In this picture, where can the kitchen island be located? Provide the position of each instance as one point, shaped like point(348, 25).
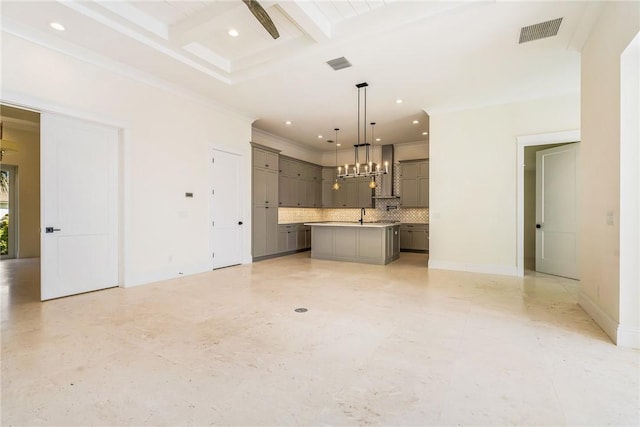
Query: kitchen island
point(368, 243)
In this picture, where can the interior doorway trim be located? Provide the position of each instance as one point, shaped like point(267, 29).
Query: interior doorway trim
point(522, 142)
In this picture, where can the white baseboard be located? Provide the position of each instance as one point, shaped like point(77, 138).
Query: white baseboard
point(165, 274)
point(502, 270)
point(628, 337)
point(606, 322)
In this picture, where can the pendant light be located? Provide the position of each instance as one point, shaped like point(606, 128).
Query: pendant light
point(372, 184)
point(336, 184)
point(368, 170)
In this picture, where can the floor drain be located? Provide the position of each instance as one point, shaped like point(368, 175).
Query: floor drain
point(300, 310)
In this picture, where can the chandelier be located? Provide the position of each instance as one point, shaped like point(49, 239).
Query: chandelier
point(368, 168)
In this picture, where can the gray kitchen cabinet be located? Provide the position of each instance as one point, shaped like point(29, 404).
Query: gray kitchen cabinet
point(328, 178)
point(351, 188)
point(369, 244)
point(265, 231)
point(414, 184)
point(286, 167)
point(300, 184)
point(317, 194)
point(287, 237)
point(285, 194)
point(265, 185)
point(354, 193)
point(365, 194)
point(414, 237)
point(340, 196)
point(264, 158)
point(293, 237)
point(393, 242)
point(327, 194)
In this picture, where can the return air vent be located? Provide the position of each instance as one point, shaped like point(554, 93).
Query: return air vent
point(540, 31)
point(339, 63)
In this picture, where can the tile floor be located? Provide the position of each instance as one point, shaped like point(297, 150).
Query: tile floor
point(382, 345)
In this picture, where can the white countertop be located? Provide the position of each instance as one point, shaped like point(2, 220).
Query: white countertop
point(353, 224)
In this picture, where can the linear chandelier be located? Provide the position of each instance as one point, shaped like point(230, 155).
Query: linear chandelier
point(368, 169)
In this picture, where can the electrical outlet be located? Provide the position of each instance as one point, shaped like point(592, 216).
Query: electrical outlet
point(610, 218)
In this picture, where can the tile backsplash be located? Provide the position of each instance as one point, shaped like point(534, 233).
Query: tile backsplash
point(293, 215)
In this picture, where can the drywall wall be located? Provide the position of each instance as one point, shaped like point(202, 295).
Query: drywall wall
point(600, 292)
point(629, 329)
point(286, 146)
point(165, 153)
point(27, 159)
point(472, 191)
point(411, 151)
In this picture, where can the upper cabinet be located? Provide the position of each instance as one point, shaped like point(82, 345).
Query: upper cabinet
point(353, 192)
point(265, 159)
point(300, 184)
point(414, 183)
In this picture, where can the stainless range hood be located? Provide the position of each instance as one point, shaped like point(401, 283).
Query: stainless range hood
point(386, 188)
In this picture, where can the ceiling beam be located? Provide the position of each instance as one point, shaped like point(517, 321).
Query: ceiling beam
point(308, 17)
point(137, 17)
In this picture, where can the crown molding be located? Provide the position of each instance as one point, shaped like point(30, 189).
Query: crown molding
point(85, 55)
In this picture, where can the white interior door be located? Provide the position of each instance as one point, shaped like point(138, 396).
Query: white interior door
point(557, 211)
point(226, 209)
point(79, 206)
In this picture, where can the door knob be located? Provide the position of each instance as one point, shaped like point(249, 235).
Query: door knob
point(538, 226)
point(51, 229)
point(239, 222)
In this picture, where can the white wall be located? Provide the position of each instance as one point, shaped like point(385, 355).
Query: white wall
point(166, 152)
point(473, 180)
point(410, 151)
point(286, 146)
point(600, 164)
point(629, 329)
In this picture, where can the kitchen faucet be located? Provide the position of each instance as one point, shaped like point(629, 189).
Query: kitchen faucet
point(363, 212)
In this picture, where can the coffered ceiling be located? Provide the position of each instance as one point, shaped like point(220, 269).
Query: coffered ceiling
point(433, 55)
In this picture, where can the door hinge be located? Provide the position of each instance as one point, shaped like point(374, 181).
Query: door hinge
point(213, 255)
point(213, 192)
point(213, 160)
point(213, 223)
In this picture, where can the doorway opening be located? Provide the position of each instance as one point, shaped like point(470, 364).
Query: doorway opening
point(530, 144)
point(8, 211)
point(533, 207)
point(20, 203)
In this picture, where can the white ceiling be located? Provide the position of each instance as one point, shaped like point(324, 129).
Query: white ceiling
point(435, 55)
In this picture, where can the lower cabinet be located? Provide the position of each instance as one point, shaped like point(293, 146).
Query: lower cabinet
point(265, 231)
point(363, 244)
point(293, 237)
point(414, 237)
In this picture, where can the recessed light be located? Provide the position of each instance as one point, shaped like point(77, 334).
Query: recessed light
point(339, 145)
point(288, 122)
point(57, 26)
point(319, 136)
point(233, 32)
point(378, 139)
point(425, 133)
point(415, 122)
point(399, 101)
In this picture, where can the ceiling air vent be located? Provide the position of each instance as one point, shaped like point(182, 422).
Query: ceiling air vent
point(540, 31)
point(339, 63)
